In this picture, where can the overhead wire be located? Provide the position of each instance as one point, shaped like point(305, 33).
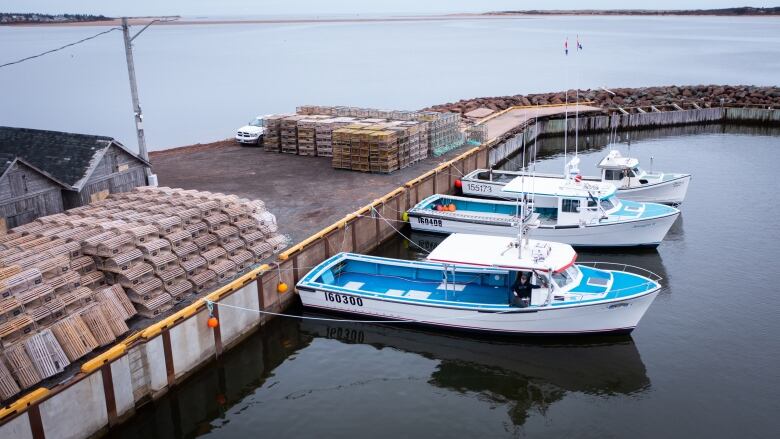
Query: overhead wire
point(59, 48)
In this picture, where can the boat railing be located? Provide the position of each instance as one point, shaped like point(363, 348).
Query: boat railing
point(626, 268)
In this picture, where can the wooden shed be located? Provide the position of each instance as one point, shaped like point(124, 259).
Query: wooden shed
point(26, 192)
point(90, 167)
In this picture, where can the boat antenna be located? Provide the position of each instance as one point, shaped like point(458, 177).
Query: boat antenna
point(577, 99)
point(566, 112)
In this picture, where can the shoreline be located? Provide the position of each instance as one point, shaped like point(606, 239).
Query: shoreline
point(138, 21)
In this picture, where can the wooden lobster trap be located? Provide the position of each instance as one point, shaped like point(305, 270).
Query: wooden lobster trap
point(90, 244)
point(216, 221)
point(205, 242)
point(177, 239)
point(168, 225)
point(162, 261)
point(155, 306)
point(93, 280)
point(243, 259)
point(16, 328)
point(186, 252)
point(46, 353)
point(224, 269)
point(74, 337)
point(76, 299)
point(83, 265)
point(245, 226)
point(137, 274)
point(172, 276)
point(144, 234)
point(93, 317)
point(36, 297)
point(155, 247)
point(203, 281)
point(10, 308)
point(197, 230)
point(261, 249)
point(122, 262)
point(53, 267)
point(253, 237)
point(179, 289)
point(19, 282)
point(233, 246)
point(225, 234)
point(214, 255)
point(116, 297)
point(70, 249)
point(194, 265)
point(21, 366)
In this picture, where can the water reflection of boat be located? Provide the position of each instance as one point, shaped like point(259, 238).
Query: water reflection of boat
point(524, 376)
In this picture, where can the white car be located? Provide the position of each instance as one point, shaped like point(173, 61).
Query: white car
point(252, 133)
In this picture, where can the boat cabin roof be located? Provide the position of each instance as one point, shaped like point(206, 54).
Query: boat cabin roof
point(614, 160)
point(500, 252)
point(558, 187)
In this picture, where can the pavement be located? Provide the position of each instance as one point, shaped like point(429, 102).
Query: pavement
point(305, 193)
point(504, 123)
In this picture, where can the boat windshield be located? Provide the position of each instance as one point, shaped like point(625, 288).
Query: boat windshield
point(566, 277)
point(607, 204)
point(637, 171)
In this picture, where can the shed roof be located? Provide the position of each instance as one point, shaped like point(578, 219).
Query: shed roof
point(69, 158)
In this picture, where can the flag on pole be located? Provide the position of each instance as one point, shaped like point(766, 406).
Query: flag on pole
point(579, 46)
point(566, 46)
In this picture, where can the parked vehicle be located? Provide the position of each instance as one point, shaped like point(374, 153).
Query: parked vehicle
point(252, 133)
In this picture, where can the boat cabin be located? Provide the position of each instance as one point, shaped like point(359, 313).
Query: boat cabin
point(623, 172)
point(565, 202)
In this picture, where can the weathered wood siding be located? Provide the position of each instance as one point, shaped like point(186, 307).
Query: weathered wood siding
point(25, 195)
point(116, 172)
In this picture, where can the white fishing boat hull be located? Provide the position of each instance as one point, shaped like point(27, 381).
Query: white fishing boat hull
point(604, 317)
point(647, 232)
point(666, 192)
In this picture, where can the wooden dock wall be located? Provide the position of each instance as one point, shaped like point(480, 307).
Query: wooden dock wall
point(501, 149)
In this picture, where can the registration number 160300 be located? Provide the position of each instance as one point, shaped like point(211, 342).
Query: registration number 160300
point(343, 298)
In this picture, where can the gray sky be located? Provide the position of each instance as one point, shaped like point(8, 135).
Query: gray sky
point(307, 7)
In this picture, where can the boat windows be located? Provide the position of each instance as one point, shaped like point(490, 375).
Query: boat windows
point(610, 174)
point(565, 277)
point(630, 173)
point(607, 204)
point(591, 202)
point(569, 205)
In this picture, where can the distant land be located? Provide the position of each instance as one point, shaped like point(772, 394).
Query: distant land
point(31, 17)
point(742, 11)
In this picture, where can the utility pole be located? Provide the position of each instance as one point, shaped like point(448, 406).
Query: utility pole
point(139, 117)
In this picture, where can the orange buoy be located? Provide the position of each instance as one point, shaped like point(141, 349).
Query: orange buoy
point(458, 184)
point(452, 207)
point(439, 207)
point(212, 322)
point(281, 288)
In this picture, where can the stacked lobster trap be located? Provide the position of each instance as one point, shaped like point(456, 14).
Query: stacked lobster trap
point(70, 282)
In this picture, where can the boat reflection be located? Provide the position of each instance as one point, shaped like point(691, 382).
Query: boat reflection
point(525, 376)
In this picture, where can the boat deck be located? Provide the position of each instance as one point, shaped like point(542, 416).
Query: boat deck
point(396, 287)
point(425, 283)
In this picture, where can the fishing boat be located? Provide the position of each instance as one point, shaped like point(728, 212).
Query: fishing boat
point(633, 183)
point(466, 283)
point(579, 213)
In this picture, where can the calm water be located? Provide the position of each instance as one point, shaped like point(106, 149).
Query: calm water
point(198, 83)
point(703, 362)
